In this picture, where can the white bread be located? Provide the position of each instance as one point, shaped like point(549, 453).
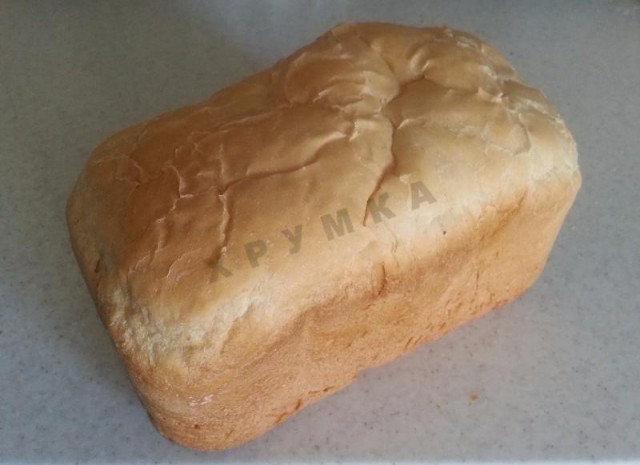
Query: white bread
point(210, 237)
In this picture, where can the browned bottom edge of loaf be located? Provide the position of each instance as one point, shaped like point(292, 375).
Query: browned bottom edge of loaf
point(500, 259)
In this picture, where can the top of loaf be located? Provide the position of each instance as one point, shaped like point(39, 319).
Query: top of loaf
point(251, 207)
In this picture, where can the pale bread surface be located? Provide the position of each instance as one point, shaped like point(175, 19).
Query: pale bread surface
point(204, 235)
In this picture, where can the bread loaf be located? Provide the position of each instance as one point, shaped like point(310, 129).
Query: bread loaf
point(252, 253)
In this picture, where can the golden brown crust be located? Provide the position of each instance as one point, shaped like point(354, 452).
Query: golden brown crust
point(372, 191)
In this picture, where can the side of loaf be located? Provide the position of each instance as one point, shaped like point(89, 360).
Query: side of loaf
point(377, 188)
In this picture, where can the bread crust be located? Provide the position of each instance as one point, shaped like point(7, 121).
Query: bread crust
point(371, 192)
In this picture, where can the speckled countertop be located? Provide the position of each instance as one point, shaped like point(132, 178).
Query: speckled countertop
point(553, 377)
